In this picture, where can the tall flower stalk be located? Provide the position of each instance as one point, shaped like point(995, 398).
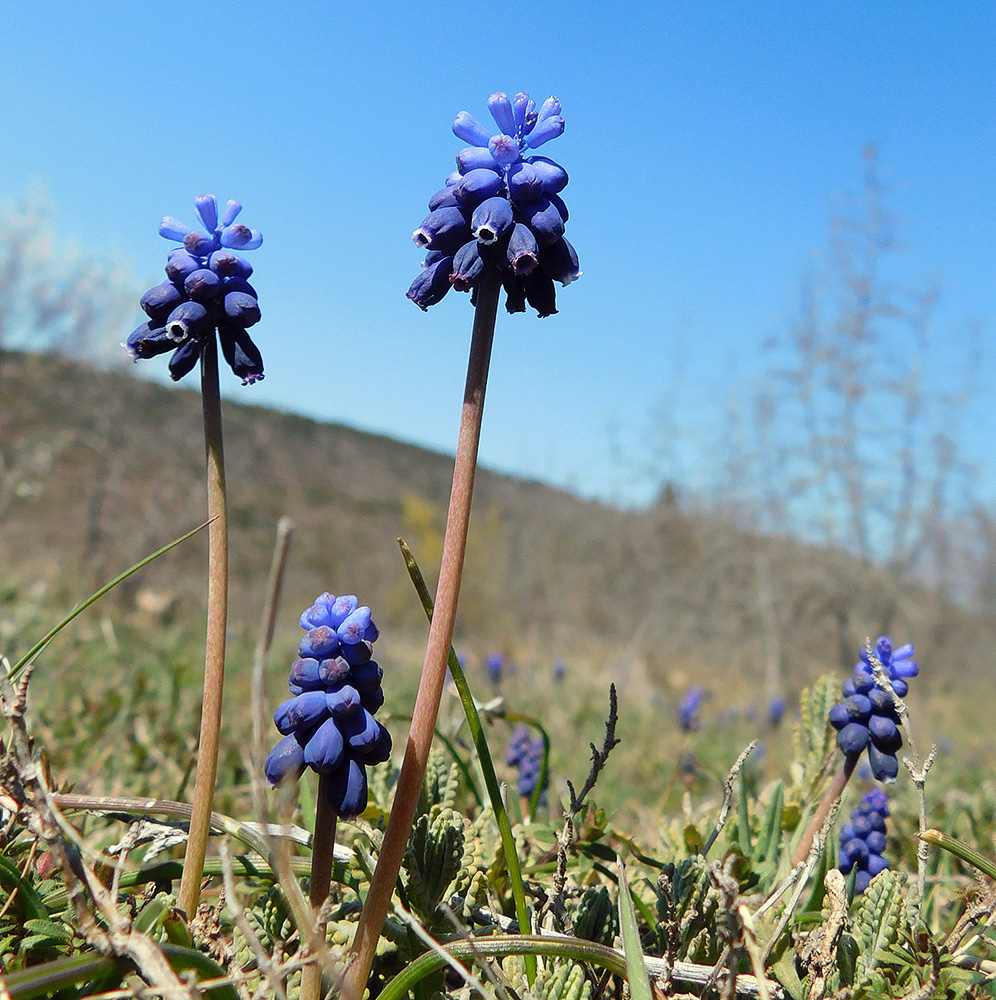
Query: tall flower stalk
point(217, 627)
point(206, 299)
point(497, 222)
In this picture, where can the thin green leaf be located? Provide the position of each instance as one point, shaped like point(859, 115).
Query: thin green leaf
point(636, 972)
point(48, 928)
point(182, 959)
point(769, 842)
point(48, 978)
point(30, 655)
point(959, 850)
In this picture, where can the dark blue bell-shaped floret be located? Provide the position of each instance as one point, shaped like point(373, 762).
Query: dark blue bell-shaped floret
point(343, 700)
point(356, 653)
point(347, 787)
point(473, 158)
point(324, 750)
point(540, 293)
point(160, 300)
point(188, 321)
point(148, 341)
point(468, 266)
point(523, 251)
point(491, 220)
point(304, 675)
point(432, 283)
point(184, 359)
point(853, 738)
point(319, 613)
point(366, 676)
point(476, 186)
point(334, 671)
point(543, 219)
point(285, 760)
point(552, 176)
point(202, 285)
point(373, 699)
point(445, 229)
point(357, 627)
point(560, 261)
point(226, 263)
point(241, 308)
point(468, 128)
point(302, 711)
point(524, 183)
point(444, 198)
point(329, 724)
point(240, 352)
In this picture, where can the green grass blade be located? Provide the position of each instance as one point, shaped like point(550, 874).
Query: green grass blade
point(636, 971)
point(487, 766)
point(30, 655)
point(959, 850)
point(499, 947)
point(49, 978)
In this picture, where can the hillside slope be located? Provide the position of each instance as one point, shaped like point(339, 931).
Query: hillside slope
point(99, 468)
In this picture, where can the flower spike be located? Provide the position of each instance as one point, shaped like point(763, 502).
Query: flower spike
point(499, 191)
point(205, 294)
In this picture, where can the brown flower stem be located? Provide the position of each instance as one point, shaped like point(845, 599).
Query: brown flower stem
point(217, 623)
point(322, 848)
point(437, 649)
point(830, 799)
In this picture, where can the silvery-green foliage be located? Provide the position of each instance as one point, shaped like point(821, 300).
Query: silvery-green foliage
point(813, 740)
point(442, 782)
point(560, 981)
point(433, 860)
point(596, 918)
point(697, 911)
point(877, 921)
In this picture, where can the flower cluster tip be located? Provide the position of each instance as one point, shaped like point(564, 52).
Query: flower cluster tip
point(501, 207)
point(206, 291)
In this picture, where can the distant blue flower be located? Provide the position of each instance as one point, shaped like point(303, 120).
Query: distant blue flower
point(868, 718)
point(206, 291)
point(776, 710)
point(688, 708)
point(559, 670)
point(862, 841)
point(327, 723)
point(494, 663)
point(502, 208)
point(526, 754)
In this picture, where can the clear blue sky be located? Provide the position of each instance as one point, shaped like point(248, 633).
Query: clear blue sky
point(707, 145)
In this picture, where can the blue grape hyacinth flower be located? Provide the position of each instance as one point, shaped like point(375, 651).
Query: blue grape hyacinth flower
point(526, 754)
point(862, 840)
point(206, 293)
point(327, 723)
point(689, 708)
point(500, 208)
point(868, 718)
